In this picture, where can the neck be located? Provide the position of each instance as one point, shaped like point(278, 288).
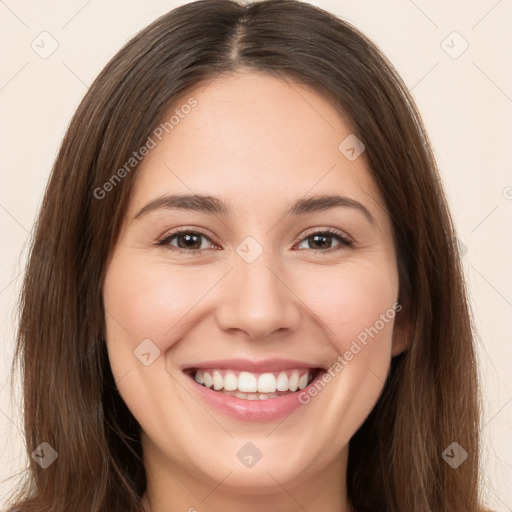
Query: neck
point(177, 490)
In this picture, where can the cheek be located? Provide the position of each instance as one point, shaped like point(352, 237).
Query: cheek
point(354, 303)
point(148, 301)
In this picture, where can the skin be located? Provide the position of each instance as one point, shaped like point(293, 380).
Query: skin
point(258, 143)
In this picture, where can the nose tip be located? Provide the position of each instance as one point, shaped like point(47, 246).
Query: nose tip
point(257, 301)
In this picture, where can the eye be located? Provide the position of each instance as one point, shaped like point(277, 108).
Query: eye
point(323, 240)
point(186, 240)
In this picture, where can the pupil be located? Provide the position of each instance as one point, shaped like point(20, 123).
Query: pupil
point(321, 240)
point(189, 241)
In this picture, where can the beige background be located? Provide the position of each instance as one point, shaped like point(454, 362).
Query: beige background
point(466, 103)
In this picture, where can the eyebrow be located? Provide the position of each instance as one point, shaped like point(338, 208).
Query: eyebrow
point(214, 206)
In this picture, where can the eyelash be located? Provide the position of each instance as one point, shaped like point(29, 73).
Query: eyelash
point(344, 240)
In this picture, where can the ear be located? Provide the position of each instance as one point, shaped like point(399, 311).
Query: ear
point(403, 330)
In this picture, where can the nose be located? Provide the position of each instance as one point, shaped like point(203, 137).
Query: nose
point(258, 300)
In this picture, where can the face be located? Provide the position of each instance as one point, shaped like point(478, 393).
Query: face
point(257, 320)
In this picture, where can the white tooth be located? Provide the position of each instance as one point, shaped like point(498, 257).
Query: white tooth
point(303, 381)
point(208, 381)
point(218, 381)
point(266, 383)
point(282, 382)
point(247, 382)
point(293, 381)
point(247, 385)
point(230, 381)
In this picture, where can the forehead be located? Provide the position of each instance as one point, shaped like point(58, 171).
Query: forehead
point(253, 139)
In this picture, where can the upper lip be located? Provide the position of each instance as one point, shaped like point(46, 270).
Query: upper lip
point(267, 365)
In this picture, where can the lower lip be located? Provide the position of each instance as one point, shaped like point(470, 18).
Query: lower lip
point(251, 410)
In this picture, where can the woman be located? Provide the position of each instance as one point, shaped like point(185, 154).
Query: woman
point(244, 290)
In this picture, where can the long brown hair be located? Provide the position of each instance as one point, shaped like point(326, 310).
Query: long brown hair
point(430, 399)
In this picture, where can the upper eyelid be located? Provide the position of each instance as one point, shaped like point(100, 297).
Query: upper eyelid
point(180, 231)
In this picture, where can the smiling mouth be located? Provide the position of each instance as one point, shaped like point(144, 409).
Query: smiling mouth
point(254, 386)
